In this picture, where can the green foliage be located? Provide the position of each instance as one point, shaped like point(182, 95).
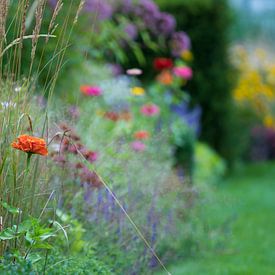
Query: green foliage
point(243, 213)
point(82, 263)
point(13, 264)
point(209, 167)
point(208, 25)
point(183, 138)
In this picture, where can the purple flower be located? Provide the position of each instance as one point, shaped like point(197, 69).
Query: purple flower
point(131, 31)
point(101, 8)
point(191, 117)
point(166, 24)
point(52, 3)
point(115, 69)
point(180, 42)
point(74, 112)
point(149, 13)
point(138, 146)
point(99, 198)
point(124, 6)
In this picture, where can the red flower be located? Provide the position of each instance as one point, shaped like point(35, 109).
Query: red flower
point(163, 63)
point(141, 135)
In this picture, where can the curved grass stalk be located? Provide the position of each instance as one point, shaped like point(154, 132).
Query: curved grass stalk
point(29, 120)
point(18, 41)
point(136, 228)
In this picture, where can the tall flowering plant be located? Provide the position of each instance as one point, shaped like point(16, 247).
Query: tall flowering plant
point(136, 26)
point(256, 86)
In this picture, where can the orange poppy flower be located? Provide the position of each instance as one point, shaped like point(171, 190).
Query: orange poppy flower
point(31, 145)
point(141, 135)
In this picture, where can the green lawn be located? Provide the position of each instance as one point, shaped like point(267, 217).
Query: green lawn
point(248, 196)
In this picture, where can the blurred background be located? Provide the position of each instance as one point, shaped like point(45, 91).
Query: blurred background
point(172, 102)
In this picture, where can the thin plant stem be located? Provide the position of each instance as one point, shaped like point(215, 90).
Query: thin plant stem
point(138, 231)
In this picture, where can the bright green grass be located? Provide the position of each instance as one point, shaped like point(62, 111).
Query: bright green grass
point(250, 249)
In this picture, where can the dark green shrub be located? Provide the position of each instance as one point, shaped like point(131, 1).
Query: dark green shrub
point(207, 22)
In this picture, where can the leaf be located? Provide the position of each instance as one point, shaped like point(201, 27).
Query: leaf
point(34, 258)
point(46, 236)
point(7, 234)
point(42, 245)
point(138, 54)
point(24, 226)
point(148, 41)
point(29, 238)
point(11, 209)
point(63, 230)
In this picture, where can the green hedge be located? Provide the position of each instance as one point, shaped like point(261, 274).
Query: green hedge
point(208, 23)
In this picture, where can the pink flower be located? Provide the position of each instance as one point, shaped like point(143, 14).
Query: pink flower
point(183, 72)
point(91, 90)
point(91, 156)
point(150, 110)
point(138, 146)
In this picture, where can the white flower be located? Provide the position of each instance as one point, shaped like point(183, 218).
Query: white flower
point(134, 71)
point(8, 104)
point(17, 89)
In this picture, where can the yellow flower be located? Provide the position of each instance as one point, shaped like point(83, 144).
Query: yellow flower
point(138, 91)
point(187, 55)
point(268, 121)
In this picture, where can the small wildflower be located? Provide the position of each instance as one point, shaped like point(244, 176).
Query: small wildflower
point(91, 156)
point(74, 112)
point(150, 110)
point(165, 77)
point(17, 89)
point(163, 63)
point(79, 165)
point(269, 121)
point(138, 146)
point(187, 55)
point(112, 116)
point(138, 91)
point(60, 159)
point(180, 42)
point(183, 72)
point(125, 115)
point(91, 178)
point(91, 90)
point(134, 71)
point(8, 104)
point(141, 135)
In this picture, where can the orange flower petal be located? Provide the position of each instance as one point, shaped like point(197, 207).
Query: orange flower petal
point(30, 144)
